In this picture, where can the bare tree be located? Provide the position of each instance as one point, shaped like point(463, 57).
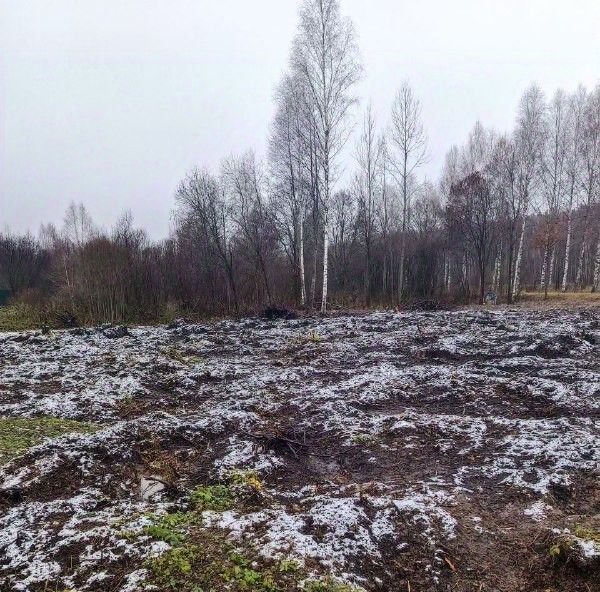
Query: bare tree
point(343, 234)
point(78, 226)
point(553, 177)
point(244, 184)
point(369, 155)
point(385, 214)
point(289, 155)
point(576, 112)
point(590, 181)
point(324, 56)
point(203, 201)
point(410, 143)
point(528, 144)
point(473, 207)
point(450, 176)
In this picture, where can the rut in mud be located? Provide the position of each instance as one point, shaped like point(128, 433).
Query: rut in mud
point(448, 450)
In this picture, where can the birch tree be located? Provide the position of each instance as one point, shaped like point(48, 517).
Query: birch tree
point(528, 140)
point(577, 104)
point(590, 181)
point(553, 180)
point(450, 175)
point(325, 57)
point(385, 214)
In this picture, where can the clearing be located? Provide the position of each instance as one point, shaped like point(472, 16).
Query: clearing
point(418, 451)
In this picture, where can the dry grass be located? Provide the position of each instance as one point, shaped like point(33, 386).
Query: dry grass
point(562, 298)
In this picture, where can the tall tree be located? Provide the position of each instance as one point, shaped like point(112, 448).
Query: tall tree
point(528, 144)
point(410, 143)
point(590, 156)
point(289, 155)
point(553, 176)
point(574, 166)
point(369, 155)
point(325, 57)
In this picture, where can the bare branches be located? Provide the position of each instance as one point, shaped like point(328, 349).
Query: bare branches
point(324, 57)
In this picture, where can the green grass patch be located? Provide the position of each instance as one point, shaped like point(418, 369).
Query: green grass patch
point(216, 498)
point(19, 433)
point(364, 439)
point(565, 546)
point(588, 534)
point(18, 317)
point(204, 559)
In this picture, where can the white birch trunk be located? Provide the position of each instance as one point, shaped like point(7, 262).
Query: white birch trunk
point(497, 268)
point(325, 263)
point(401, 275)
point(552, 267)
point(544, 270)
point(518, 264)
point(302, 270)
point(597, 268)
point(579, 277)
point(447, 274)
point(567, 254)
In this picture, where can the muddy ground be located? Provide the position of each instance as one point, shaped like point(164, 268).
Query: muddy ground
point(418, 451)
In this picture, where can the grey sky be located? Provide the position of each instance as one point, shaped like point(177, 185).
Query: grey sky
point(110, 102)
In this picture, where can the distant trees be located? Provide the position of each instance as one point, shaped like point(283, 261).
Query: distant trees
point(22, 261)
point(472, 212)
point(205, 225)
point(512, 211)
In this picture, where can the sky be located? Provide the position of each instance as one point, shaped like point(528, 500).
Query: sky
point(110, 103)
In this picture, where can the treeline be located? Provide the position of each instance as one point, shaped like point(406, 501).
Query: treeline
point(512, 211)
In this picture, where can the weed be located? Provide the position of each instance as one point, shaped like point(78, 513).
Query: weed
point(182, 358)
point(244, 478)
point(313, 337)
point(329, 585)
point(588, 534)
point(288, 566)
point(217, 498)
point(363, 439)
point(566, 546)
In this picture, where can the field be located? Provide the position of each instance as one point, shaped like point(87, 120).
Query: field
point(417, 451)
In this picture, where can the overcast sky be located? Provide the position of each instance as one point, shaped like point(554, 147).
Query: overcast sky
point(110, 102)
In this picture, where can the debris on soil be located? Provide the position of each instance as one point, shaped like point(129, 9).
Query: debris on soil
point(425, 450)
point(277, 312)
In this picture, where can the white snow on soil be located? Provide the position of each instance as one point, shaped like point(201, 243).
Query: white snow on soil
point(397, 418)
